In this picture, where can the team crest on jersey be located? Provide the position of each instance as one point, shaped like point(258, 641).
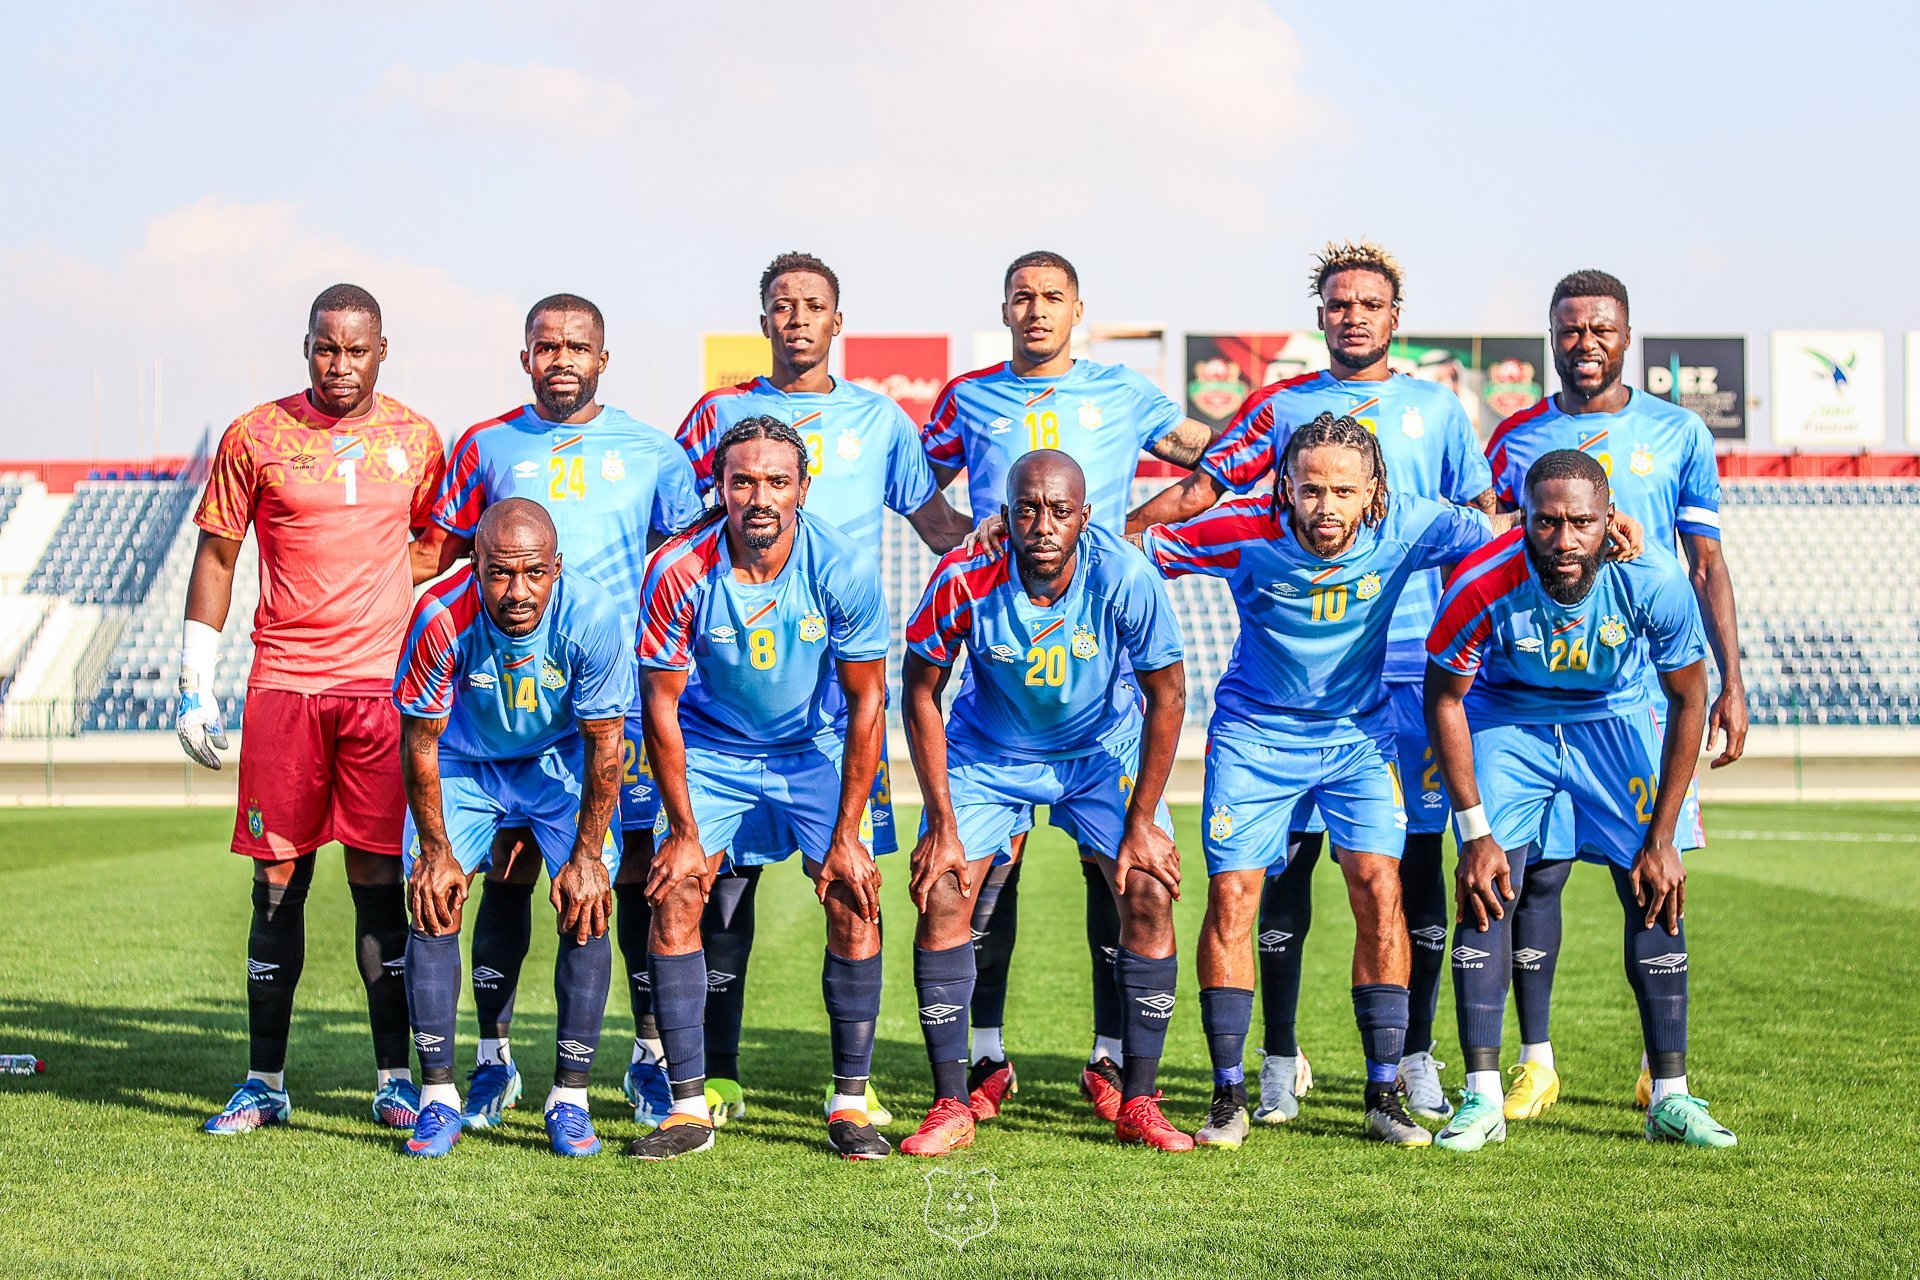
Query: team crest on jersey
point(397, 460)
point(1090, 415)
point(1220, 825)
point(1412, 424)
point(256, 821)
point(1640, 462)
point(550, 677)
point(613, 467)
point(813, 627)
point(1084, 645)
point(526, 470)
point(482, 680)
point(848, 445)
point(1368, 587)
point(1613, 632)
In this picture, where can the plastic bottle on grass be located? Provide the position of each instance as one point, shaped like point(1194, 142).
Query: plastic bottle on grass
point(20, 1064)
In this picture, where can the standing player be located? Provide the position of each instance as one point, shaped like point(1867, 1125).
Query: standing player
point(1430, 451)
point(331, 480)
point(1301, 718)
point(1555, 634)
point(1659, 461)
point(1048, 715)
point(1101, 416)
point(758, 623)
point(513, 690)
point(615, 488)
point(863, 457)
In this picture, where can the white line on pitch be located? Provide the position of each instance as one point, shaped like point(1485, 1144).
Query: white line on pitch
point(1859, 837)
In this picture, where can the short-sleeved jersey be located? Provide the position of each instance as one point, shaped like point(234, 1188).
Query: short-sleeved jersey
point(1425, 438)
point(514, 697)
point(763, 656)
point(606, 483)
point(332, 502)
point(1658, 457)
point(1542, 662)
point(1307, 668)
point(863, 454)
point(1100, 415)
point(1047, 682)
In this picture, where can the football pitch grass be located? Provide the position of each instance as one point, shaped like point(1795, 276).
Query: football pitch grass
point(121, 964)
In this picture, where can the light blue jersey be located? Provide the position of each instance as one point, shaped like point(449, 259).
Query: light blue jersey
point(514, 697)
point(863, 453)
point(1047, 682)
point(1538, 661)
point(763, 655)
point(1306, 671)
point(1425, 439)
point(1100, 415)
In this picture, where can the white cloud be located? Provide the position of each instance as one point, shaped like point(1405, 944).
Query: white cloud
point(557, 104)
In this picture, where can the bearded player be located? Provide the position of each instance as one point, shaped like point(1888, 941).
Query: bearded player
point(1430, 451)
point(1537, 690)
point(863, 458)
point(1659, 461)
point(615, 488)
point(331, 480)
point(1056, 634)
point(1301, 717)
point(757, 625)
point(1101, 416)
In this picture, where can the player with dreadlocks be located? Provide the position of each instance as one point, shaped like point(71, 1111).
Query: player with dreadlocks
point(1301, 718)
point(1426, 442)
point(756, 625)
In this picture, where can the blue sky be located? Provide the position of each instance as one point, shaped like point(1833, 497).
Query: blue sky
point(184, 177)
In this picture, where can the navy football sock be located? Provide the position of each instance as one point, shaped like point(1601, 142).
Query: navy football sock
point(1423, 894)
point(1103, 945)
point(1380, 1009)
point(996, 921)
point(680, 1006)
point(944, 981)
point(502, 932)
point(581, 975)
point(632, 922)
point(1226, 1015)
point(433, 1000)
point(1147, 988)
point(1657, 970)
point(1536, 946)
point(852, 992)
point(1286, 913)
point(276, 954)
point(1482, 967)
point(726, 927)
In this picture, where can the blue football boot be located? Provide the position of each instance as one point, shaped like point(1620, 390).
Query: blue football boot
point(492, 1089)
point(570, 1131)
point(254, 1104)
point(435, 1132)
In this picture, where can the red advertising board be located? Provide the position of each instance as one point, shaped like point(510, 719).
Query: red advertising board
point(911, 368)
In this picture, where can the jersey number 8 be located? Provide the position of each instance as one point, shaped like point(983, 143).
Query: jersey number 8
point(761, 651)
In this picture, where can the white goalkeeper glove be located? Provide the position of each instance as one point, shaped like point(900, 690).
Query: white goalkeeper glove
point(197, 718)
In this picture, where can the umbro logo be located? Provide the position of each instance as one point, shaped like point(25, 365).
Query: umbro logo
point(1285, 589)
point(979, 935)
point(1528, 644)
point(641, 978)
point(1274, 939)
point(1000, 426)
point(398, 965)
point(1111, 953)
point(1003, 653)
point(1158, 1005)
point(725, 635)
point(717, 981)
point(574, 1049)
point(1528, 957)
point(1433, 937)
point(1469, 957)
point(526, 470)
point(260, 970)
point(1430, 797)
point(1671, 962)
point(938, 1012)
point(426, 1040)
point(486, 976)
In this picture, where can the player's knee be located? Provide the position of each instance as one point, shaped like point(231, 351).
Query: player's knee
point(366, 867)
point(676, 919)
point(1145, 901)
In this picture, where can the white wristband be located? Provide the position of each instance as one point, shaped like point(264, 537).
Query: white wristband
point(1471, 824)
point(199, 654)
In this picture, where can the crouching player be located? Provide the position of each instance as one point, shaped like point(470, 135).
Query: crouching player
point(1047, 715)
point(1558, 637)
point(513, 691)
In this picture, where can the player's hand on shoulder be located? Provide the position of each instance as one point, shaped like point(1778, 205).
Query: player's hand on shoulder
point(937, 853)
point(196, 719)
point(1659, 880)
point(1146, 849)
point(1626, 538)
point(436, 889)
point(583, 896)
point(990, 536)
point(850, 863)
point(1482, 883)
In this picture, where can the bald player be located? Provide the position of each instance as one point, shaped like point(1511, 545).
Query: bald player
point(513, 691)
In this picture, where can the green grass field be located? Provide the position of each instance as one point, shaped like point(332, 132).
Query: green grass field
point(121, 963)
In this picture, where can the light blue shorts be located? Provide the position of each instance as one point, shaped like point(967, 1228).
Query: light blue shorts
point(792, 801)
point(1086, 797)
point(478, 797)
point(1253, 795)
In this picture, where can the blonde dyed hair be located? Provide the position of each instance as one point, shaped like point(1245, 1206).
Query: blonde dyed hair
point(1351, 255)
